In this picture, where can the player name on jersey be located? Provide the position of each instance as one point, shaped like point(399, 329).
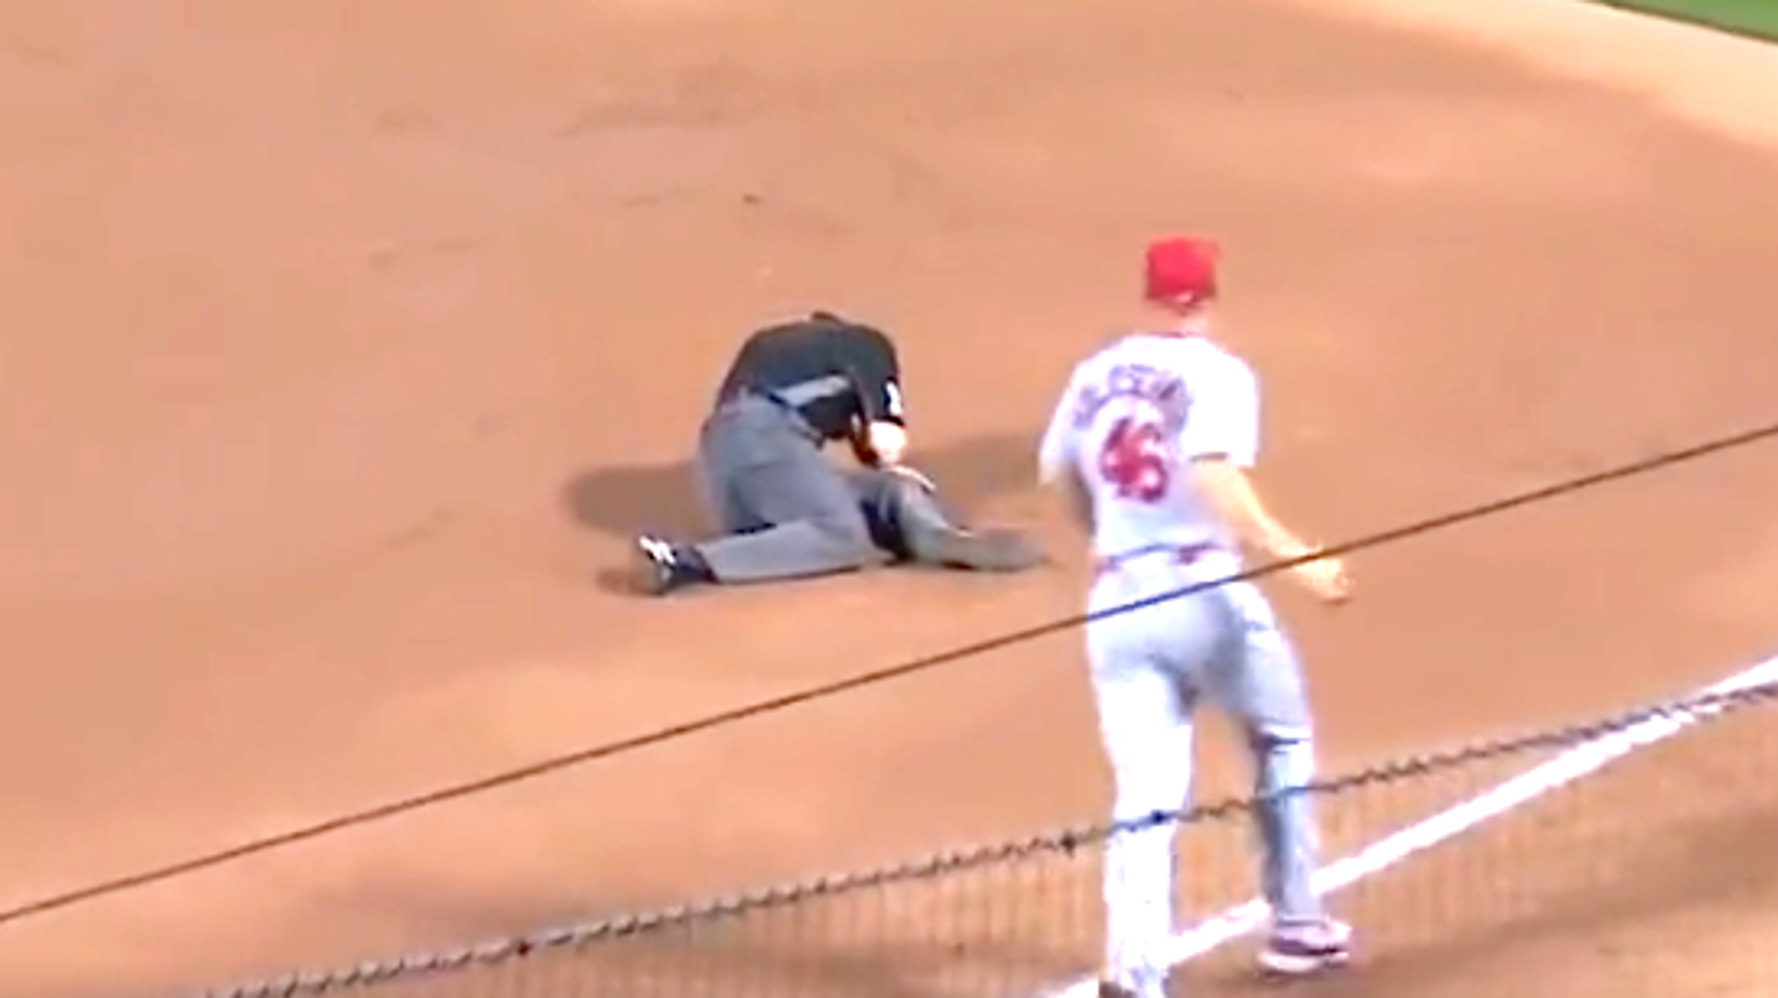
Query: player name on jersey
point(1162, 389)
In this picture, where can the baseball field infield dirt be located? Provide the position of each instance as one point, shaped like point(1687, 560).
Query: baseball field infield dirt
point(346, 344)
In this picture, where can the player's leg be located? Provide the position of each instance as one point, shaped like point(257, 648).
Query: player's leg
point(816, 527)
point(1145, 722)
point(1147, 734)
point(1260, 682)
point(908, 519)
point(789, 509)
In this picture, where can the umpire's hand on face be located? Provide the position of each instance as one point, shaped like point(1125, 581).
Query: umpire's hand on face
point(887, 441)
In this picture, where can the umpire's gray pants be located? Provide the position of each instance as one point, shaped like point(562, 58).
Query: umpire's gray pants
point(787, 510)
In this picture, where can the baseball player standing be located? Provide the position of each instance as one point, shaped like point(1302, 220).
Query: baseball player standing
point(1152, 440)
point(789, 511)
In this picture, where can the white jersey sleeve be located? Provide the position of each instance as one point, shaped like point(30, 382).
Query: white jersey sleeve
point(1056, 454)
point(1224, 420)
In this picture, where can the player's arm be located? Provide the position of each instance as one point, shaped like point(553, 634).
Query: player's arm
point(1055, 455)
point(1056, 464)
point(876, 374)
point(1230, 493)
point(1078, 502)
point(1220, 445)
point(1226, 488)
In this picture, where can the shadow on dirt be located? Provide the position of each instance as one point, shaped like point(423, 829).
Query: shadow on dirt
point(626, 500)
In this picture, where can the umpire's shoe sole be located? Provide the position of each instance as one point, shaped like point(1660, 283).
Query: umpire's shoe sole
point(653, 567)
point(987, 550)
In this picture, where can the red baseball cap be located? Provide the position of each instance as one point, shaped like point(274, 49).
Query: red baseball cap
point(1180, 269)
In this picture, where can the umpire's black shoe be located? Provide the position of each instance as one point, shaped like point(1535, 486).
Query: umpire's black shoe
point(659, 566)
point(994, 550)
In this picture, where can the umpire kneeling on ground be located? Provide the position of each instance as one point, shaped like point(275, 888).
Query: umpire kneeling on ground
point(786, 509)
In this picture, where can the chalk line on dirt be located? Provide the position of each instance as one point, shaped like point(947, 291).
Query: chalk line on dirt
point(1570, 765)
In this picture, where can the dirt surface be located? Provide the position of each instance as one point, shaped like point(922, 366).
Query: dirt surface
point(346, 344)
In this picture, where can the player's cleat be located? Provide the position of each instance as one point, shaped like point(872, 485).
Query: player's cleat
point(659, 567)
point(986, 550)
point(1299, 948)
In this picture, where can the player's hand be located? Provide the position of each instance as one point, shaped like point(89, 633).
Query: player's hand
point(862, 451)
point(887, 441)
point(1326, 578)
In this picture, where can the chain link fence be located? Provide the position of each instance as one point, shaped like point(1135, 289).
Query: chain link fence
point(1528, 874)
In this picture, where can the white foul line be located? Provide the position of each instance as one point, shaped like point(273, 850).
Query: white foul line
point(1571, 765)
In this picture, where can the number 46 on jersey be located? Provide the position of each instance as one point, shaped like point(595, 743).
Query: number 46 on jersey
point(1133, 460)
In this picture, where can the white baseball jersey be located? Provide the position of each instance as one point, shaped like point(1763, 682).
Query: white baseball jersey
point(1133, 416)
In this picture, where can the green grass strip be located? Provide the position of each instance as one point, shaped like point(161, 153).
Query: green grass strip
point(1753, 18)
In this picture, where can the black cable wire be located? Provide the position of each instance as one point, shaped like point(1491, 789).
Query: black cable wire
point(759, 708)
